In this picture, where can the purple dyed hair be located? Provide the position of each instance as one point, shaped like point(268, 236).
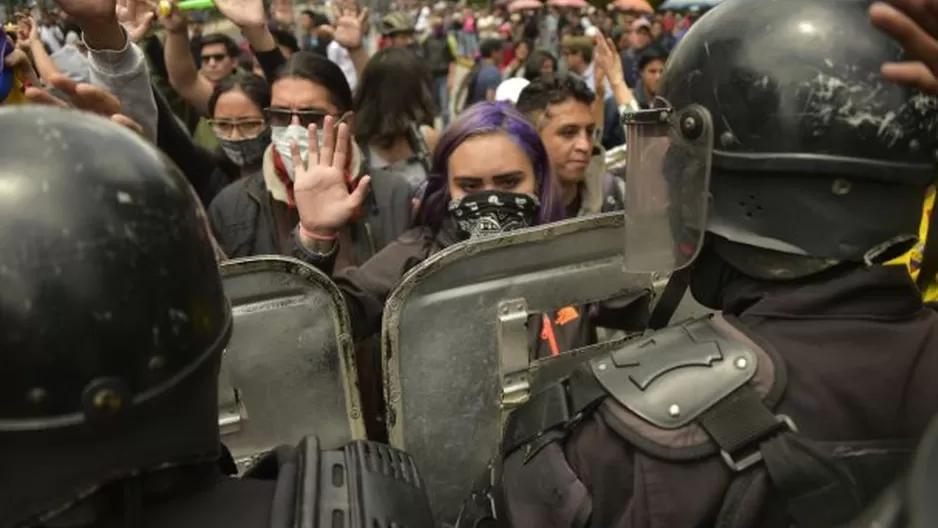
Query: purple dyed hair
point(489, 118)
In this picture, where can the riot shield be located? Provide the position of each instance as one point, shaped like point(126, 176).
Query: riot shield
point(455, 339)
point(289, 369)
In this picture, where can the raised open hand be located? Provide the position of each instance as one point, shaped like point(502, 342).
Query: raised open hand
point(349, 26)
point(607, 60)
point(320, 190)
point(914, 23)
point(243, 13)
point(136, 16)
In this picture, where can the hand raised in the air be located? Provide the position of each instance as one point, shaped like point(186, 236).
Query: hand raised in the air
point(136, 16)
point(174, 21)
point(243, 13)
point(349, 26)
point(320, 190)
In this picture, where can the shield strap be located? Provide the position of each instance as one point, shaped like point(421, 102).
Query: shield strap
point(670, 299)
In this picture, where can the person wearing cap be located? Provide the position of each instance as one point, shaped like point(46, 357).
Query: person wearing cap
point(639, 39)
point(398, 29)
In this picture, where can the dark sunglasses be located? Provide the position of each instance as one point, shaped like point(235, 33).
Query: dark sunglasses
point(279, 116)
point(217, 57)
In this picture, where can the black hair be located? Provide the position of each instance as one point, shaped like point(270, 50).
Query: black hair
point(391, 94)
point(231, 48)
point(535, 62)
point(322, 71)
point(489, 47)
point(651, 54)
point(286, 39)
point(550, 89)
point(255, 88)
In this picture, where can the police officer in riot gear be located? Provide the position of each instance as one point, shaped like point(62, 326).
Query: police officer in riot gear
point(114, 322)
point(777, 171)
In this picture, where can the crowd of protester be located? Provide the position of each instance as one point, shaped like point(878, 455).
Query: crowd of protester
point(243, 102)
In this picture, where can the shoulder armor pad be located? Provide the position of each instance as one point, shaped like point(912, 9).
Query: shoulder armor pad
point(670, 377)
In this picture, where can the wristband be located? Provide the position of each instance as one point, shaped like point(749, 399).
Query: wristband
point(315, 236)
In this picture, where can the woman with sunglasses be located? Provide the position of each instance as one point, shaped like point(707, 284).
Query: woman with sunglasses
point(256, 215)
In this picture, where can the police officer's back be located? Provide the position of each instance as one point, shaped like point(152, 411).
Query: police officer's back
point(114, 320)
point(799, 403)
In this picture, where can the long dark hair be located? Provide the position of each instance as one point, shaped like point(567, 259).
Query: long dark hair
point(391, 94)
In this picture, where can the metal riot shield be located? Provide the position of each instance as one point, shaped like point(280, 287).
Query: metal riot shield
point(289, 370)
point(455, 339)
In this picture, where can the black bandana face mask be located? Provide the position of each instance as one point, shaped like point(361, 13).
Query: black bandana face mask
point(492, 212)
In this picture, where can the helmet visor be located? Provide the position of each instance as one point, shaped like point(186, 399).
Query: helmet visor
point(667, 179)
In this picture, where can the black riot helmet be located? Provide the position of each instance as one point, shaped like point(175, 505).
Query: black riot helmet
point(113, 315)
point(776, 130)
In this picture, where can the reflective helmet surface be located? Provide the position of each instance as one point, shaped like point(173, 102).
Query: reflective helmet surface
point(814, 152)
point(114, 317)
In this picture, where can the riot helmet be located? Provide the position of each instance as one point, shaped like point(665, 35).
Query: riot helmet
point(114, 317)
point(775, 131)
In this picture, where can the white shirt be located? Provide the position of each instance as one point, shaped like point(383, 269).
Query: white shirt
point(341, 57)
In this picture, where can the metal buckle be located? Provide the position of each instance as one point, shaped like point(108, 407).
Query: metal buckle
point(755, 457)
point(513, 353)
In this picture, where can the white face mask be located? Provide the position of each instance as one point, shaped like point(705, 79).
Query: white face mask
point(283, 138)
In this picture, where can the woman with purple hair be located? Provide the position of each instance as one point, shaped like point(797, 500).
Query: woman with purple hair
point(490, 174)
